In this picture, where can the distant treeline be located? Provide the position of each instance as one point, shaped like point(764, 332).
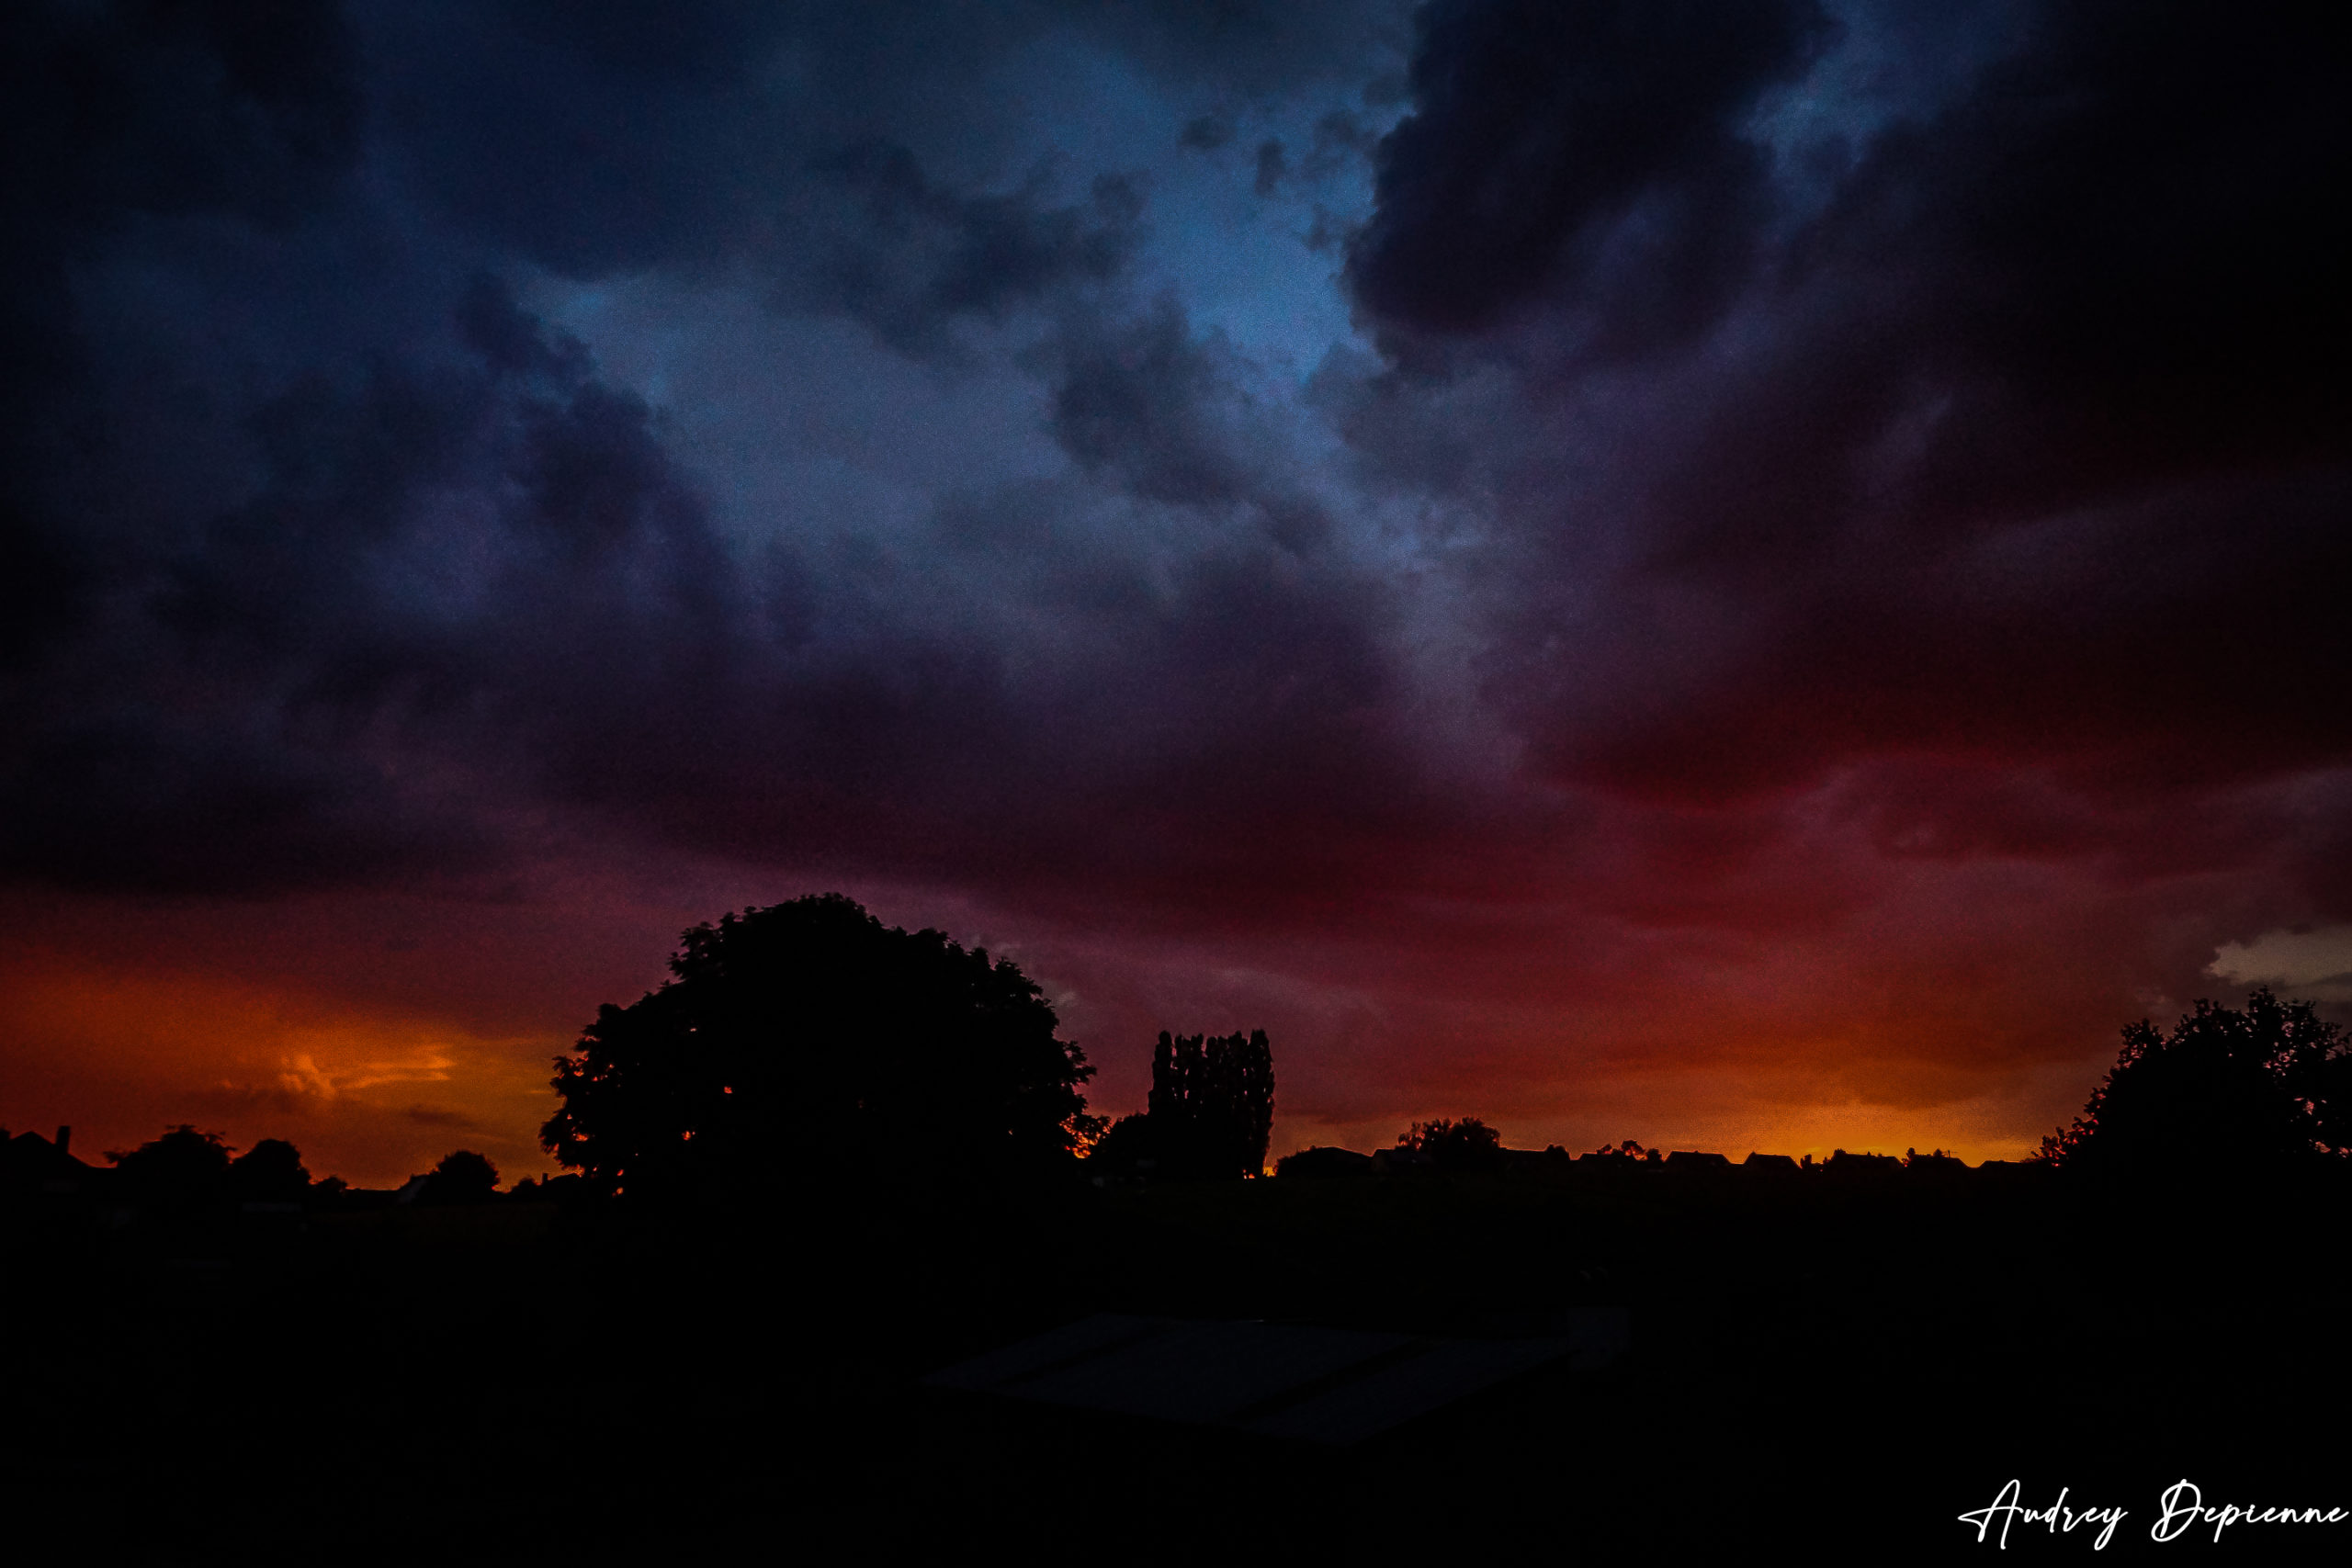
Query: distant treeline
point(1470, 1145)
point(185, 1170)
point(2261, 1091)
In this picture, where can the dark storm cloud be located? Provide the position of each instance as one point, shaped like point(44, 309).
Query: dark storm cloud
point(1339, 137)
point(1073, 716)
point(1253, 47)
point(147, 801)
point(619, 136)
point(247, 108)
point(1272, 164)
point(477, 579)
point(1144, 403)
point(914, 257)
point(1594, 147)
point(434, 556)
point(2129, 223)
point(2018, 445)
point(250, 110)
point(629, 138)
point(1206, 133)
point(1137, 399)
point(2183, 640)
point(406, 513)
point(369, 561)
point(1875, 459)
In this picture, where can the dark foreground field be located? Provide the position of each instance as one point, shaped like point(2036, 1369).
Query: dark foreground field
point(1828, 1371)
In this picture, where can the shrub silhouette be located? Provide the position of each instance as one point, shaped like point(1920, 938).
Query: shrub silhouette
point(2263, 1087)
point(808, 1036)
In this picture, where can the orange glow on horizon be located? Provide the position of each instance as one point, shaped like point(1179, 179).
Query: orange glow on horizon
point(378, 1036)
point(370, 1097)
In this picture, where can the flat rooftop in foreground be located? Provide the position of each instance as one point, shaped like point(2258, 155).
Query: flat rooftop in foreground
point(1317, 1384)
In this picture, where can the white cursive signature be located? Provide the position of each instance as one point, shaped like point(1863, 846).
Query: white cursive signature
point(2058, 1516)
point(2183, 1509)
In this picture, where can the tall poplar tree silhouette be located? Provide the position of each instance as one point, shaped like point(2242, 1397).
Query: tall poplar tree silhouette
point(1212, 1107)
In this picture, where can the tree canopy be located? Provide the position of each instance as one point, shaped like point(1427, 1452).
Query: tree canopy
point(462, 1177)
point(810, 1037)
point(271, 1171)
point(183, 1164)
point(1466, 1144)
point(2264, 1086)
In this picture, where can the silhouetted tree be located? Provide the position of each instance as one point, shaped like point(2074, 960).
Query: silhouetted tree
point(269, 1172)
point(2267, 1086)
point(462, 1177)
point(810, 1035)
point(1128, 1147)
point(1466, 1144)
point(184, 1166)
point(1211, 1111)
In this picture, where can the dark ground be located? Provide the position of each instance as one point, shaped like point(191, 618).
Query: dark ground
point(1818, 1369)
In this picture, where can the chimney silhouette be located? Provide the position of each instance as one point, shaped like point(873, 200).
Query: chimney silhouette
point(64, 1137)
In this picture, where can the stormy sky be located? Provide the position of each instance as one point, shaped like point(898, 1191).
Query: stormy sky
point(1750, 575)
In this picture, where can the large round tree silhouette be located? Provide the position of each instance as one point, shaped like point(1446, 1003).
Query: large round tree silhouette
point(2263, 1087)
point(808, 1039)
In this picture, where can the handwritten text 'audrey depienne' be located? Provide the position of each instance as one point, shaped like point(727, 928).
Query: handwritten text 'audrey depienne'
point(2181, 1509)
